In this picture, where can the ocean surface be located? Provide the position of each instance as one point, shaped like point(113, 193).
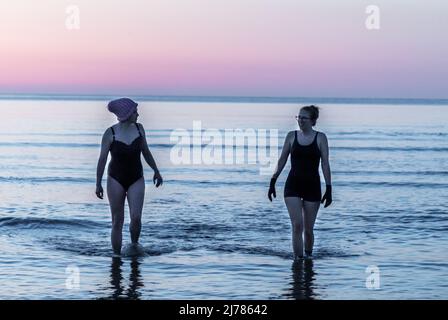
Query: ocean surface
point(210, 232)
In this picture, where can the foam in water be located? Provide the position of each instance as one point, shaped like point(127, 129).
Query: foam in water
point(133, 250)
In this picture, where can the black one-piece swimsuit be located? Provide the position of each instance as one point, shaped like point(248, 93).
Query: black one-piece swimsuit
point(126, 166)
point(303, 179)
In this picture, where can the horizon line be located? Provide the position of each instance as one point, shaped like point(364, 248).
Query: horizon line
point(218, 98)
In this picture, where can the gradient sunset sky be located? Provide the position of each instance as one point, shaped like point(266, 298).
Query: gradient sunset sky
point(277, 48)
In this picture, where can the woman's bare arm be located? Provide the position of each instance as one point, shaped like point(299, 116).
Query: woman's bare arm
point(325, 164)
point(105, 146)
point(284, 155)
point(146, 153)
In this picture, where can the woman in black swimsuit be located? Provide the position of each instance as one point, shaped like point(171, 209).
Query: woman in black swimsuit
point(302, 188)
point(125, 140)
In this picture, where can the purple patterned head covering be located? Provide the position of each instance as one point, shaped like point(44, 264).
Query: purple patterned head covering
point(123, 108)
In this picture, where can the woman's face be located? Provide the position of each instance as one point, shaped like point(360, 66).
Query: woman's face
point(134, 116)
point(304, 120)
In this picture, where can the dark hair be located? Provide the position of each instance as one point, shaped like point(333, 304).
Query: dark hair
point(313, 111)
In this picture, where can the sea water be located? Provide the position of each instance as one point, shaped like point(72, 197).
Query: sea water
point(210, 232)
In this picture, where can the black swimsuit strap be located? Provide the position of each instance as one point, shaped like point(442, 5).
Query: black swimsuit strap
point(138, 129)
point(113, 133)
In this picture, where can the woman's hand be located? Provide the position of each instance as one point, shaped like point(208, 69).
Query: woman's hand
point(99, 191)
point(271, 191)
point(158, 181)
point(328, 198)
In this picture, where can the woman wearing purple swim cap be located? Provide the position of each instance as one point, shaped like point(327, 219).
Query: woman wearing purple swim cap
point(126, 141)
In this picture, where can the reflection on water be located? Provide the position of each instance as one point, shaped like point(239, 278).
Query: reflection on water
point(302, 280)
point(119, 290)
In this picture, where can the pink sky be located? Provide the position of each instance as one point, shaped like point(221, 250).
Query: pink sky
point(216, 47)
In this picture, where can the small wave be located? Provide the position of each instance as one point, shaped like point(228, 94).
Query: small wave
point(350, 133)
point(391, 149)
point(97, 145)
point(158, 251)
point(389, 173)
point(342, 148)
point(251, 250)
point(318, 253)
point(392, 184)
point(149, 132)
point(333, 253)
point(68, 180)
point(188, 230)
point(238, 147)
point(375, 134)
point(165, 201)
point(240, 183)
point(92, 247)
point(39, 223)
point(214, 183)
point(50, 134)
point(403, 218)
point(102, 248)
point(197, 228)
point(415, 134)
point(85, 251)
point(46, 179)
point(49, 144)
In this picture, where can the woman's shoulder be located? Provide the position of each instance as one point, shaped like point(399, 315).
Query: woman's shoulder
point(320, 134)
point(140, 126)
point(291, 135)
point(108, 135)
point(109, 131)
point(321, 137)
point(112, 128)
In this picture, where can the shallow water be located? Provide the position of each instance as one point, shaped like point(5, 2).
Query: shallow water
point(210, 232)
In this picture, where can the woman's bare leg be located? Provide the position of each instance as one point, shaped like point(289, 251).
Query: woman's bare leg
point(136, 196)
point(310, 210)
point(116, 195)
point(294, 205)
